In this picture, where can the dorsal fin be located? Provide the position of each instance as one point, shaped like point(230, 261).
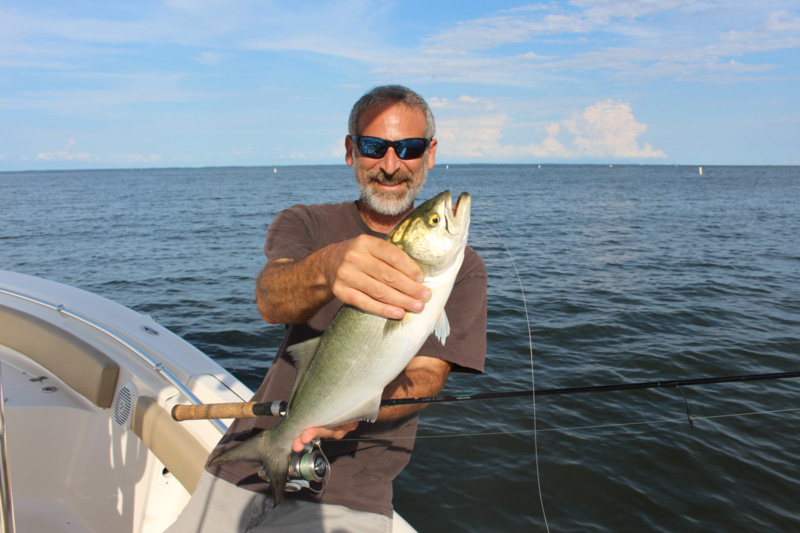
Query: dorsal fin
point(302, 354)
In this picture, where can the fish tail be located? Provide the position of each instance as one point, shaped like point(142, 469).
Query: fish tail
point(263, 450)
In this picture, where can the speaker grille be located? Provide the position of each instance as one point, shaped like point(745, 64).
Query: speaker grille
point(123, 404)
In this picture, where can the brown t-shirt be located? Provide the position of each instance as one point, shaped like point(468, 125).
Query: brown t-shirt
point(365, 463)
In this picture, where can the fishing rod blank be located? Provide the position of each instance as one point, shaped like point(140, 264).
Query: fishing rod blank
point(667, 384)
point(253, 409)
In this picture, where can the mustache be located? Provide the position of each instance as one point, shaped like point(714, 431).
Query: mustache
point(384, 179)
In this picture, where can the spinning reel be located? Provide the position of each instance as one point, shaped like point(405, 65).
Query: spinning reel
point(308, 469)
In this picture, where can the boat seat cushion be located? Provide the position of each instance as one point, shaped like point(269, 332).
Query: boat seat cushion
point(74, 361)
point(174, 446)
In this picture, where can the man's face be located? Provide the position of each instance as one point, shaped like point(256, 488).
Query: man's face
point(389, 185)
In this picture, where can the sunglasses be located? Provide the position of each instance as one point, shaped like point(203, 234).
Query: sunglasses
point(375, 147)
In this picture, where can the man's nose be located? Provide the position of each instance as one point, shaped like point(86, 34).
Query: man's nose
point(390, 163)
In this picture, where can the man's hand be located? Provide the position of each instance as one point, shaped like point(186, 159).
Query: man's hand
point(377, 277)
point(310, 434)
point(365, 272)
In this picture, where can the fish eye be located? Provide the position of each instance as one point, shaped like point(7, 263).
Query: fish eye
point(434, 219)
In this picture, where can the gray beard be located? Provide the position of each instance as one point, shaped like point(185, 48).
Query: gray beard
point(389, 204)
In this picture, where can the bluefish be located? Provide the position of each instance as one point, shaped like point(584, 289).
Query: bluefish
point(341, 375)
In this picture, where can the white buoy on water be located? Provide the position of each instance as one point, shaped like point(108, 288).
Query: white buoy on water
point(701, 171)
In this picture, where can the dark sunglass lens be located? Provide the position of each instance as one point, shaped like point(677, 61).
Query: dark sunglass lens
point(375, 147)
point(410, 148)
point(372, 147)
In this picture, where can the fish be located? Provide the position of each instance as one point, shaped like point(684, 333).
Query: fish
point(341, 375)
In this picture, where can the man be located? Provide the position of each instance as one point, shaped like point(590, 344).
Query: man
point(318, 257)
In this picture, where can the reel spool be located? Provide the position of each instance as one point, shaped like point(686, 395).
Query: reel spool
point(306, 467)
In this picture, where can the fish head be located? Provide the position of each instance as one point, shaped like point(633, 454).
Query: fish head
point(435, 233)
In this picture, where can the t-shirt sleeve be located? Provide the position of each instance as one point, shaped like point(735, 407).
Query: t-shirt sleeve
point(465, 347)
point(289, 235)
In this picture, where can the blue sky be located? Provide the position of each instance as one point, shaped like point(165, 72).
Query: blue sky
point(185, 83)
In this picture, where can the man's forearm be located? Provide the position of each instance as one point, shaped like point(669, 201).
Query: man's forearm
point(290, 292)
point(423, 377)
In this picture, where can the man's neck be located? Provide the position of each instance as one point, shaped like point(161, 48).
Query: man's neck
point(377, 221)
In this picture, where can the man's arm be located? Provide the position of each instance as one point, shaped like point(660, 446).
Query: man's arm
point(424, 376)
point(366, 272)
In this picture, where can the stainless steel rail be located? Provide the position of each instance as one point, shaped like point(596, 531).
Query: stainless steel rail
point(158, 366)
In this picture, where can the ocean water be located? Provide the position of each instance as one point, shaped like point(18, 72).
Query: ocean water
point(629, 273)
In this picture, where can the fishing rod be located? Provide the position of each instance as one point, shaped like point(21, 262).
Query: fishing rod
point(278, 408)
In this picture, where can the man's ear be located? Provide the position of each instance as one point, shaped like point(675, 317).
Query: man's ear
point(432, 153)
point(348, 146)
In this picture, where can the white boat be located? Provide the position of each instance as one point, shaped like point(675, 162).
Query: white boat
point(88, 386)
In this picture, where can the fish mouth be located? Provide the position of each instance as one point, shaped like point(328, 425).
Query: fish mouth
point(457, 214)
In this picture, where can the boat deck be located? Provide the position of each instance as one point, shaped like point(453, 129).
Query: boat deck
point(61, 451)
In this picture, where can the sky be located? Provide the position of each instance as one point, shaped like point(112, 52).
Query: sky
point(198, 83)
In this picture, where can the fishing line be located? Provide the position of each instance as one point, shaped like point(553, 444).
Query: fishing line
point(533, 376)
point(618, 425)
point(596, 426)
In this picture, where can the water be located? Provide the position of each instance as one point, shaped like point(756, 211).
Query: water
point(631, 273)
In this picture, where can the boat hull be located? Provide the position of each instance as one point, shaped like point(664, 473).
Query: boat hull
point(91, 445)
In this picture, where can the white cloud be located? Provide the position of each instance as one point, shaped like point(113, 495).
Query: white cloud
point(74, 37)
point(435, 102)
point(490, 32)
point(779, 21)
point(607, 9)
point(633, 39)
point(66, 154)
point(653, 38)
point(531, 23)
point(609, 129)
point(475, 137)
point(605, 130)
point(780, 30)
point(470, 101)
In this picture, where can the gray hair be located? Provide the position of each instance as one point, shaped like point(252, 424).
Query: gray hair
point(391, 94)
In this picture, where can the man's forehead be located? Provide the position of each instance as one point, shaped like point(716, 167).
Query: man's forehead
point(392, 115)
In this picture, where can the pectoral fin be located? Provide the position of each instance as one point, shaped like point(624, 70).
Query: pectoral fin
point(393, 325)
point(442, 327)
